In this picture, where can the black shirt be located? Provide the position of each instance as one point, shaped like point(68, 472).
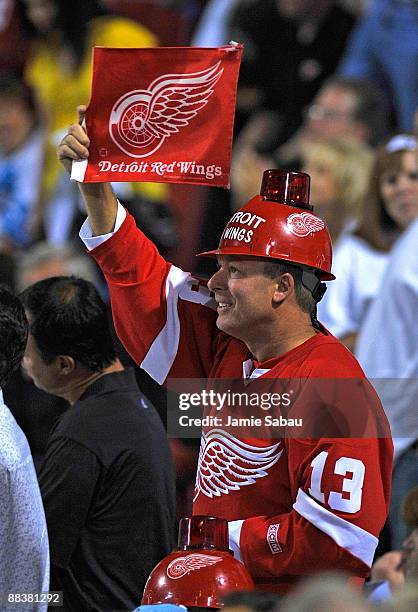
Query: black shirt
point(108, 487)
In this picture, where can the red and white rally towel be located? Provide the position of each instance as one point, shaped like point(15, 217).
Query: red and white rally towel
point(162, 115)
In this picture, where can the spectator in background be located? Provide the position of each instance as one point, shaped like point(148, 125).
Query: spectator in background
point(343, 108)
point(390, 571)
point(404, 600)
point(290, 47)
point(35, 410)
point(24, 556)
point(325, 593)
point(339, 169)
point(59, 70)
point(389, 204)
point(43, 260)
point(384, 49)
point(351, 108)
point(107, 480)
point(387, 346)
point(21, 152)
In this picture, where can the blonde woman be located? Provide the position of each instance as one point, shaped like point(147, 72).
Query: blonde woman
point(340, 171)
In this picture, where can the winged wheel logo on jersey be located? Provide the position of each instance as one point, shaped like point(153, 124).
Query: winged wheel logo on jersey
point(184, 565)
point(227, 463)
point(303, 224)
point(141, 120)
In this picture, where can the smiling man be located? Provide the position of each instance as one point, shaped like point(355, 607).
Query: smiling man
point(294, 506)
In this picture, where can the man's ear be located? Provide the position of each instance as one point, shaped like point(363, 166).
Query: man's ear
point(66, 364)
point(285, 285)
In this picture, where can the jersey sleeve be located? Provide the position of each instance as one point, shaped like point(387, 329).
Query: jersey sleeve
point(164, 317)
point(341, 494)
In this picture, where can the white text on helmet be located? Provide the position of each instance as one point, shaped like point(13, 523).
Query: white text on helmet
point(237, 233)
point(247, 218)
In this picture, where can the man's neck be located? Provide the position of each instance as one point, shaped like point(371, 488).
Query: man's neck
point(289, 333)
point(77, 387)
point(280, 346)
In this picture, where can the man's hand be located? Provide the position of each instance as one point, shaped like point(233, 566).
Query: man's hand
point(388, 567)
point(75, 145)
point(101, 204)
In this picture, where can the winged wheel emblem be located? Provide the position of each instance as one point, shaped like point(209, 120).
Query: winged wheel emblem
point(141, 120)
point(303, 224)
point(226, 463)
point(184, 565)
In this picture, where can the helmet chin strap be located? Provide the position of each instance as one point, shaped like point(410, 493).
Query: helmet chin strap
point(317, 289)
point(314, 284)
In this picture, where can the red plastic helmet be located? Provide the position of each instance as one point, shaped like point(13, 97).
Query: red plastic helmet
point(279, 223)
point(201, 571)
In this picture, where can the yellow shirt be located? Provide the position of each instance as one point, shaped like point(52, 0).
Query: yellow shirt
point(59, 92)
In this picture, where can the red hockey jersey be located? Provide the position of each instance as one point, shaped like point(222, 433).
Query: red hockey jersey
point(306, 504)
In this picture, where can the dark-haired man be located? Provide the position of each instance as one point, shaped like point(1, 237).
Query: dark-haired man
point(107, 480)
point(24, 555)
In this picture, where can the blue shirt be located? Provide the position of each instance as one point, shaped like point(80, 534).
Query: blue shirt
point(19, 188)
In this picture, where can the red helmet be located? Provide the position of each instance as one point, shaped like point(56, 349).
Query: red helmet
point(279, 224)
point(201, 571)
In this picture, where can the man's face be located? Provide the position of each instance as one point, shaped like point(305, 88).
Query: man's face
point(44, 376)
point(245, 297)
point(400, 191)
point(332, 114)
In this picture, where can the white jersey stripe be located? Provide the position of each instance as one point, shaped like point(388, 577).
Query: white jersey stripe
point(249, 374)
point(359, 542)
point(162, 352)
point(234, 528)
point(195, 291)
point(258, 372)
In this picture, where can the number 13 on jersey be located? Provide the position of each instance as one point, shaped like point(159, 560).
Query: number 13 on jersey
point(352, 469)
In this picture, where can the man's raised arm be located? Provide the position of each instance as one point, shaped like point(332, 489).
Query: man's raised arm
point(100, 201)
point(150, 297)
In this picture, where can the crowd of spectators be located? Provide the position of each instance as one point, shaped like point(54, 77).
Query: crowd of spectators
point(326, 87)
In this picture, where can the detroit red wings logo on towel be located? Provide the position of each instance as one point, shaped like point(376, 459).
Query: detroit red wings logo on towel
point(163, 115)
point(141, 120)
point(184, 565)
